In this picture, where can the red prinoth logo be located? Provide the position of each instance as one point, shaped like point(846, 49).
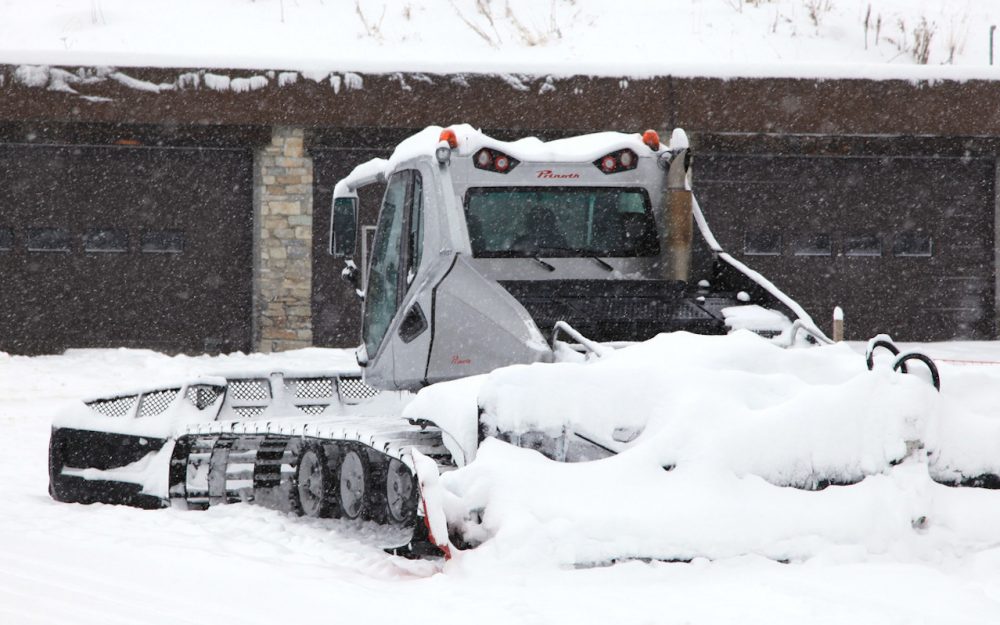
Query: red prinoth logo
point(548, 173)
point(455, 360)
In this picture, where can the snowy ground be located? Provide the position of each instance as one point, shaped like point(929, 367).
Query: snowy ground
point(103, 564)
point(816, 38)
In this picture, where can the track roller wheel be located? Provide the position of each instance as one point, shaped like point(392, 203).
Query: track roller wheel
point(355, 481)
point(400, 493)
point(314, 494)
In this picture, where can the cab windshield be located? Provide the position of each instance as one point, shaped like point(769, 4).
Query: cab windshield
point(560, 221)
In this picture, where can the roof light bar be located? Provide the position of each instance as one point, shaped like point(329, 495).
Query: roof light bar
point(492, 160)
point(622, 160)
point(449, 135)
point(651, 139)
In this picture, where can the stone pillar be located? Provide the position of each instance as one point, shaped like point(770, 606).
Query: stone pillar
point(283, 181)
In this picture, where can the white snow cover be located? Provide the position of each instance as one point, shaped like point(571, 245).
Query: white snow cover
point(736, 419)
point(816, 38)
point(450, 406)
point(755, 318)
point(581, 148)
point(152, 472)
point(95, 565)
point(363, 174)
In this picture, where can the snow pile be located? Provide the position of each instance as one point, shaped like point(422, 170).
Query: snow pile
point(519, 507)
point(718, 401)
point(890, 38)
point(754, 318)
point(727, 425)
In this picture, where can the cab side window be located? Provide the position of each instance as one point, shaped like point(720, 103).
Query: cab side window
point(415, 214)
point(395, 254)
point(384, 275)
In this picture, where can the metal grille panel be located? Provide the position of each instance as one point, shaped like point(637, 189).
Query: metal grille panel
point(157, 402)
point(312, 388)
point(249, 412)
point(314, 409)
point(614, 310)
point(249, 390)
point(203, 395)
point(355, 388)
point(116, 407)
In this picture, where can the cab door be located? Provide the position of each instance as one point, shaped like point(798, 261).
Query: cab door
point(382, 292)
point(395, 325)
point(411, 336)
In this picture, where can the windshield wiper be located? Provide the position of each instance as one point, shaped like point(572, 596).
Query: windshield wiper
point(603, 263)
point(574, 251)
point(543, 263)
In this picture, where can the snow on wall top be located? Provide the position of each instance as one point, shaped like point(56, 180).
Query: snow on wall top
point(932, 39)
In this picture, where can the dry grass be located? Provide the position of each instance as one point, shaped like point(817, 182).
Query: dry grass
point(486, 23)
point(817, 9)
point(373, 29)
point(915, 42)
point(922, 35)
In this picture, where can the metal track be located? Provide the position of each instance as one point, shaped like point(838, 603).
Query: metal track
point(258, 461)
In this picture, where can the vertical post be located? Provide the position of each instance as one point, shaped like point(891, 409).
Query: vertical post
point(679, 220)
point(283, 177)
point(838, 324)
point(993, 29)
point(996, 249)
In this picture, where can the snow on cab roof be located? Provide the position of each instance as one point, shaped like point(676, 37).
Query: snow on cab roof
point(581, 148)
point(578, 149)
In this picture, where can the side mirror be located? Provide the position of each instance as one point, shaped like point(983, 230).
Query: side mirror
point(343, 226)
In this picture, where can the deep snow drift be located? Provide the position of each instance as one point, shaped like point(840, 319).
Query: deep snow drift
point(106, 564)
point(736, 420)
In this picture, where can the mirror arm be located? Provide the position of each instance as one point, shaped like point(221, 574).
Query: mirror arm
point(352, 275)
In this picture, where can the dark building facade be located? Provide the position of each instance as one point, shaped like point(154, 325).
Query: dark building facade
point(187, 210)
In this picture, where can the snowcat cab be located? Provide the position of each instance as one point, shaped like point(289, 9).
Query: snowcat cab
point(486, 252)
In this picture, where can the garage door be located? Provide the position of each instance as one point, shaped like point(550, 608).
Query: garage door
point(106, 246)
point(904, 245)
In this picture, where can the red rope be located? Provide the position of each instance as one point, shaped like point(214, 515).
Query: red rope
point(968, 362)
